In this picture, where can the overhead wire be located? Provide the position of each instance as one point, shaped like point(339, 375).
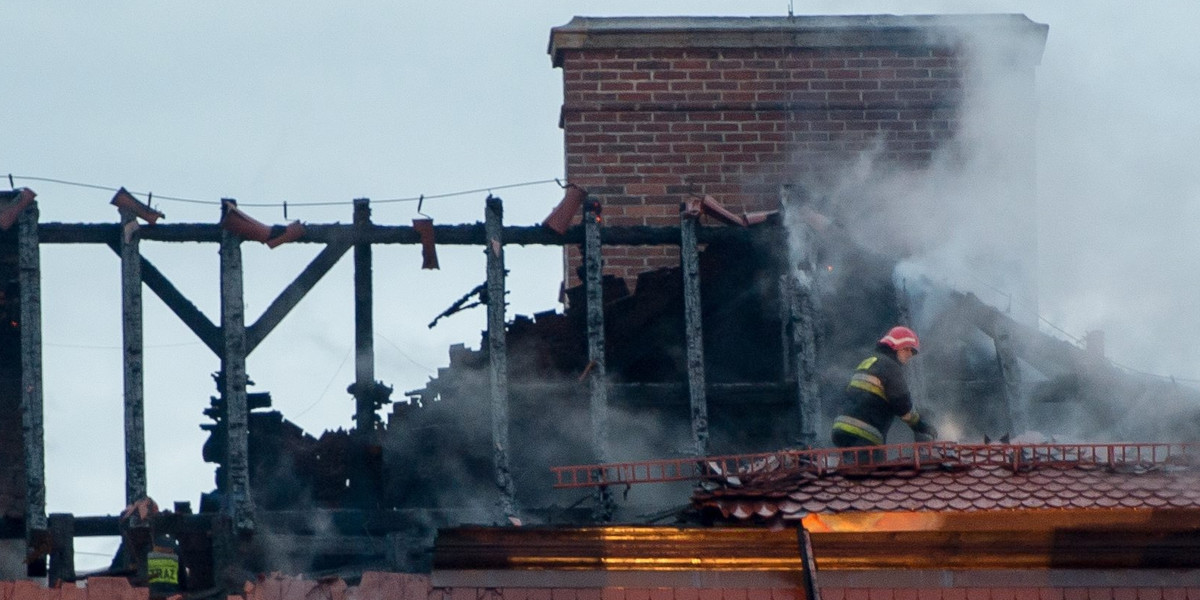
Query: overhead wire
point(285, 204)
point(327, 385)
point(1078, 341)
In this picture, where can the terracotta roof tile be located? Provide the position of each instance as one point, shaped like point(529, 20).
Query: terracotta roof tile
point(941, 487)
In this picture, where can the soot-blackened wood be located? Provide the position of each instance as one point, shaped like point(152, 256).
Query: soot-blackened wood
point(238, 503)
point(30, 280)
point(448, 235)
point(689, 258)
point(597, 375)
point(498, 352)
point(799, 297)
point(62, 548)
point(131, 319)
point(364, 340)
point(293, 293)
point(209, 334)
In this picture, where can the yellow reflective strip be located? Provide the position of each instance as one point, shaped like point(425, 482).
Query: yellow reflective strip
point(162, 570)
point(868, 383)
point(866, 363)
point(854, 426)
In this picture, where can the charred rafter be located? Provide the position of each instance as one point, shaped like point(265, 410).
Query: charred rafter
point(447, 235)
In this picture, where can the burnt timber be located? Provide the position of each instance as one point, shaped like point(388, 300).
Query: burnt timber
point(724, 396)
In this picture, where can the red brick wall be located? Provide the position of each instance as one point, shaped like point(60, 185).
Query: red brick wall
point(646, 127)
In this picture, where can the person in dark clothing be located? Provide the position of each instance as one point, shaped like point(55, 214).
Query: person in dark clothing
point(877, 393)
point(163, 575)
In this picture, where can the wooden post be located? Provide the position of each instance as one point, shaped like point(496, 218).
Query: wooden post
point(597, 376)
point(62, 548)
point(29, 279)
point(364, 340)
point(131, 319)
point(689, 258)
point(238, 503)
point(498, 351)
point(800, 298)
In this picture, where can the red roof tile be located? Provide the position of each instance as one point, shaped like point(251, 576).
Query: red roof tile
point(774, 494)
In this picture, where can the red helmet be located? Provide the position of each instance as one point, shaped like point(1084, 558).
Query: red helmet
point(900, 337)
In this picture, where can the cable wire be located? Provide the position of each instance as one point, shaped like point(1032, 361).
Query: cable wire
point(421, 197)
point(416, 198)
point(327, 385)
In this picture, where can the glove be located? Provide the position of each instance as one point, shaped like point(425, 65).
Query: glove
point(924, 432)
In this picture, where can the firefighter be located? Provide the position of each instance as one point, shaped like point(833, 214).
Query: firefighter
point(164, 577)
point(877, 393)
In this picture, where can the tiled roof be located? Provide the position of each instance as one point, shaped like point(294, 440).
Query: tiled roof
point(766, 494)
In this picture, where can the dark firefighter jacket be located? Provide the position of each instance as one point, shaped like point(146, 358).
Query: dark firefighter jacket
point(164, 576)
point(877, 393)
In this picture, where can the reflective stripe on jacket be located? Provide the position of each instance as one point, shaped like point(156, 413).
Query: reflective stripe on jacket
point(875, 395)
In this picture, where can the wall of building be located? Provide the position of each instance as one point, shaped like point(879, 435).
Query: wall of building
point(657, 109)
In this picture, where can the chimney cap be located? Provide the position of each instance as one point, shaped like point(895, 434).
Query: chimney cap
point(821, 31)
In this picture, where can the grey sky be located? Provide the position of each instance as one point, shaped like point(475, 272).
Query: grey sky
point(271, 102)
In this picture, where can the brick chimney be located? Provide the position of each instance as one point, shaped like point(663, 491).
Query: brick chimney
point(656, 109)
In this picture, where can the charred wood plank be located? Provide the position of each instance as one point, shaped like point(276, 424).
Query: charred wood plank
point(62, 548)
point(455, 235)
point(596, 374)
point(30, 281)
point(498, 353)
point(1051, 356)
point(364, 319)
point(689, 258)
point(209, 334)
point(293, 293)
point(799, 300)
point(238, 503)
point(131, 333)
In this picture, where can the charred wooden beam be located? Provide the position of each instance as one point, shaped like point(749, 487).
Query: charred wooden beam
point(209, 334)
point(293, 293)
point(238, 504)
point(498, 352)
point(30, 280)
point(131, 331)
point(689, 258)
point(454, 235)
point(597, 375)
point(799, 298)
point(364, 319)
point(1050, 355)
point(62, 544)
